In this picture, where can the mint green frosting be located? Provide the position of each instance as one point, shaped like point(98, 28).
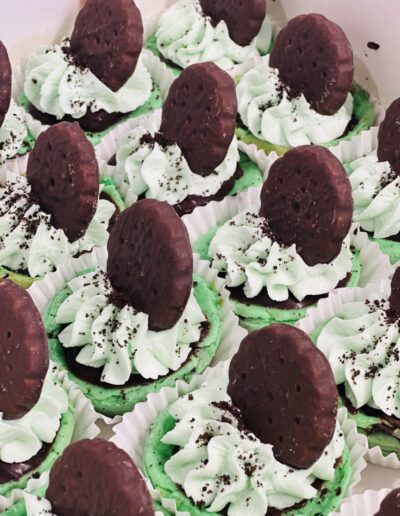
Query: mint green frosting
point(243, 251)
point(28, 241)
point(55, 85)
point(162, 172)
point(21, 439)
point(13, 132)
point(186, 36)
point(362, 345)
point(220, 466)
point(118, 339)
point(268, 112)
point(376, 195)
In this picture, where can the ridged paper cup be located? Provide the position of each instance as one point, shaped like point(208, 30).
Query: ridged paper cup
point(366, 504)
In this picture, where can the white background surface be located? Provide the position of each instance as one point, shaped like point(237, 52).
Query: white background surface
point(27, 24)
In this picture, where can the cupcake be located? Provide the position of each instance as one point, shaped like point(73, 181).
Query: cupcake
point(139, 320)
point(303, 92)
point(58, 210)
point(265, 438)
point(96, 77)
point(360, 338)
point(36, 413)
point(376, 186)
point(192, 157)
point(290, 247)
point(93, 477)
point(227, 33)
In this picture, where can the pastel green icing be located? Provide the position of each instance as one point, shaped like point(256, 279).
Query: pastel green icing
point(252, 175)
point(389, 247)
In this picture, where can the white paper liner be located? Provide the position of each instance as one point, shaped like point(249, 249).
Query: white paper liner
point(132, 433)
point(366, 504)
point(85, 427)
point(328, 308)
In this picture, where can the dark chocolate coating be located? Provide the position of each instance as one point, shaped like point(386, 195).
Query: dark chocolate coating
point(199, 114)
point(390, 505)
point(314, 57)
point(24, 355)
point(394, 298)
point(308, 202)
point(243, 18)
point(64, 175)
point(389, 137)
point(108, 38)
point(150, 261)
point(5, 82)
point(285, 389)
point(96, 478)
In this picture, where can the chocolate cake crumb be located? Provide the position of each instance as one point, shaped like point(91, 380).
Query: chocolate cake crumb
point(372, 45)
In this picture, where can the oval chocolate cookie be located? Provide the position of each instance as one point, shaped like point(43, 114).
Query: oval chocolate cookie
point(390, 505)
point(307, 201)
point(108, 38)
point(64, 176)
point(150, 261)
point(24, 355)
point(96, 477)
point(314, 57)
point(200, 116)
point(389, 137)
point(285, 390)
point(5, 82)
point(243, 18)
point(394, 298)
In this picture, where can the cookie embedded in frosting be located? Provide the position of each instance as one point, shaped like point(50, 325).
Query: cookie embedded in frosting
point(5, 82)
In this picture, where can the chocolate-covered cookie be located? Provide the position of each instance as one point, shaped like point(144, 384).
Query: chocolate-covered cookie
point(286, 392)
point(64, 175)
point(389, 137)
point(108, 39)
point(314, 57)
point(5, 82)
point(200, 115)
point(308, 202)
point(150, 261)
point(394, 298)
point(24, 356)
point(96, 477)
point(243, 18)
point(390, 505)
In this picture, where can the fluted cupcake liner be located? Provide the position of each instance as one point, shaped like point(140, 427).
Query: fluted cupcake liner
point(366, 504)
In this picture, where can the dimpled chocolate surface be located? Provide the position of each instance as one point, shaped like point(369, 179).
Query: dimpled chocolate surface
point(150, 261)
point(308, 202)
point(390, 505)
point(286, 392)
point(389, 137)
point(96, 478)
point(242, 17)
point(314, 57)
point(394, 298)
point(199, 114)
point(5, 82)
point(24, 356)
point(64, 175)
point(108, 39)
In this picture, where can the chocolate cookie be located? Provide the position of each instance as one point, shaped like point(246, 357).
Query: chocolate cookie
point(314, 57)
point(108, 38)
point(96, 477)
point(150, 261)
point(5, 82)
point(285, 389)
point(394, 298)
point(243, 19)
point(307, 201)
point(200, 115)
point(389, 137)
point(390, 505)
point(24, 356)
point(64, 175)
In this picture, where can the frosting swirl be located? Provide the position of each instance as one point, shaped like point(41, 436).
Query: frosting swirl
point(221, 465)
point(13, 132)
point(147, 165)
point(117, 338)
point(376, 195)
point(186, 36)
point(246, 252)
point(271, 115)
point(28, 241)
point(21, 439)
point(54, 84)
